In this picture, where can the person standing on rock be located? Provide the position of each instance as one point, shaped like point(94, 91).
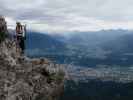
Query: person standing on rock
point(20, 35)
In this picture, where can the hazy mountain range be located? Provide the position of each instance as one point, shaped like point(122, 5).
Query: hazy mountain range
point(83, 48)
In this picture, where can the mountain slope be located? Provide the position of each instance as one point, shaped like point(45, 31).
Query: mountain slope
point(42, 41)
point(85, 49)
point(120, 44)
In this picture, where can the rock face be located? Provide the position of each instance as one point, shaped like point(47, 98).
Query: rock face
point(22, 78)
point(3, 26)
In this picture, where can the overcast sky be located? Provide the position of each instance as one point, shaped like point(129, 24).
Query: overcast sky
point(69, 15)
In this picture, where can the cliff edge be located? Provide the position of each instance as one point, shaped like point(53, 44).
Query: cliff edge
point(22, 78)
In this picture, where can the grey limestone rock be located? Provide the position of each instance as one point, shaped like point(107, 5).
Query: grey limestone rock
point(22, 78)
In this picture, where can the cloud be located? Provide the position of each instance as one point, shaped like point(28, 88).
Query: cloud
point(69, 15)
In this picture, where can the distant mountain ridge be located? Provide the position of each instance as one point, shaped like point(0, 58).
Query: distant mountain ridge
point(38, 44)
point(42, 41)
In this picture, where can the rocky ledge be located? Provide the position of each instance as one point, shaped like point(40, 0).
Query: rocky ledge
point(22, 78)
